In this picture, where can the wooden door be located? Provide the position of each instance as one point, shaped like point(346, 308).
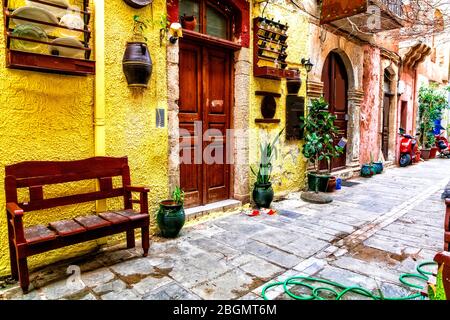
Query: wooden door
point(205, 99)
point(335, 80)
point(385, 133)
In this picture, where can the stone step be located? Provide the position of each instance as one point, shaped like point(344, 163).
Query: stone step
point(212, 208)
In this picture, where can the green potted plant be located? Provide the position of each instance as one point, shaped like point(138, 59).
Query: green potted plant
point(319, 145)
point(262, 190)
point(171, 216)
point(432, 102)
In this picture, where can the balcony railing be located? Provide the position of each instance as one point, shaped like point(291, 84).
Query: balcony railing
point(395, 6)
point(359, 18)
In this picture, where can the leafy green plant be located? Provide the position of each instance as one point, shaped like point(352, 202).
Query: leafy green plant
point(139, 27)
point(432, 103)
point(178, 195)
point(269, 152)
point(320, 134)
point(437, 291)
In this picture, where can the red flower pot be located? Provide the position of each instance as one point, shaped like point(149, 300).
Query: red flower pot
point(433, 152)
point(189, 22)
point(425, 154)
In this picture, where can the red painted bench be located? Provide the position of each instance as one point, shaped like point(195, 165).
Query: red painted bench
point(34, 175)
point(443, 258)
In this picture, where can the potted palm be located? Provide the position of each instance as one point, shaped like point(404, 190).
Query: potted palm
point(171, 216)
point(319, 145)
point(263, 191)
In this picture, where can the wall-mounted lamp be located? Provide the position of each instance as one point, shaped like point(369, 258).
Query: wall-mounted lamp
point(175, 32)
point(307, 64)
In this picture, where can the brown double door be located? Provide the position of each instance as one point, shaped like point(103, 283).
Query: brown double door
point(204, 115)
point(335, 81)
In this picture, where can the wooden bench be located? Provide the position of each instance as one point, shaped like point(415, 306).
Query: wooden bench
point(443, 258)
point(447, 226)
point(34, 175)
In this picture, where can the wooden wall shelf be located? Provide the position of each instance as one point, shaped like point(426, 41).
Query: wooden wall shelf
point(270, 121)
point(28, 60)
point(50, 64)
point(267, 93)
point(270, 45)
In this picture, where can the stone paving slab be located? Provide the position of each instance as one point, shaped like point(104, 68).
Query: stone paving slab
point(372, 232)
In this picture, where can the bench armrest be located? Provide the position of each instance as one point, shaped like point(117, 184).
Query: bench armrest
point(443, 257)
point(14, 209)
point(143, 198)
point(137, 189)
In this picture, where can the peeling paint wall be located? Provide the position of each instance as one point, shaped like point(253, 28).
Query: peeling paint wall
point(290, 168)
point(370, 108)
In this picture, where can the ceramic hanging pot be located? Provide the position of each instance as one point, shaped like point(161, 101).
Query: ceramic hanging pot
point(138, 3)
point(137, 64)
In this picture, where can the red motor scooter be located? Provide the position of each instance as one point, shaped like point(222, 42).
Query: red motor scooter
point(442, 145)
point(408, 149)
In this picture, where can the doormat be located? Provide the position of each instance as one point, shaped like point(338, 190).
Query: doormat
point(349, 184)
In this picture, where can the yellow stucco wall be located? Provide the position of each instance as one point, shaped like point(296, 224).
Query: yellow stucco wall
point(50, 117)
point(42, 117)
point(131, 114)
point(290, 168)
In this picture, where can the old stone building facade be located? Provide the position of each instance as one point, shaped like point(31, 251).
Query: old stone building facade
point(212, 78)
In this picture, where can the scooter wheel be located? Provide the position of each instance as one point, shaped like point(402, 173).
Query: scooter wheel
point(405, 160)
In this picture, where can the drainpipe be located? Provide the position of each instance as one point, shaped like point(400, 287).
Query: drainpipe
point(99, 104)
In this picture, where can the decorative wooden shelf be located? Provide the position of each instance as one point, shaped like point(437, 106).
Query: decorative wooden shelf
point(47, 63)
point(262, 36)
point(26, 60)
point(274, 73)
point(267, 93)
point(270, 121)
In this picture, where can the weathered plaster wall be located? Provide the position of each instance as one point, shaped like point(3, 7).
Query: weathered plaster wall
point(131, 114)
point(408, 77)
point(43, 117)
point(370, 108)
point(290, 168)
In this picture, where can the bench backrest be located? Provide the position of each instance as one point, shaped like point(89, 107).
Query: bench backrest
point(36, 174)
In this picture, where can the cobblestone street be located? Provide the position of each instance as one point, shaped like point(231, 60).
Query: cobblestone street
point(375, 230)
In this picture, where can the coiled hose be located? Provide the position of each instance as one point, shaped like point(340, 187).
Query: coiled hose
point(342, 290)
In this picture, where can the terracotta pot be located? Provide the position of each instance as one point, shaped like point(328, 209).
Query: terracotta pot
point(293, 85)
point(189, 22)
point(418, 156)
point(425, 154)
point(331, 184)
point(433, 152)
point(137, 64)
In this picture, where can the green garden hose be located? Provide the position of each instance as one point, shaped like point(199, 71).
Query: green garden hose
point(343, 290)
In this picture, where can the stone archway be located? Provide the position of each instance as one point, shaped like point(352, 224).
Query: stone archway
point(354, 100)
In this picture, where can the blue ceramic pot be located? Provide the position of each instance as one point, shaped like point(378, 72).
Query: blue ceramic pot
point(378, 166)
point(366, 171)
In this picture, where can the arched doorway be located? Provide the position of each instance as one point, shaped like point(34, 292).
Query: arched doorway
point(335, 82)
